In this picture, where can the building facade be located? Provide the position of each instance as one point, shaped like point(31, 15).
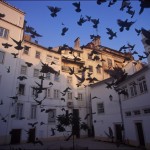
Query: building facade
point(23, 117)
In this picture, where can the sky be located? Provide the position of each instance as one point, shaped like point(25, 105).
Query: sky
point(38, 16)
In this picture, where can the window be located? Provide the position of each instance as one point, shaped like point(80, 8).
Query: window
point(100, 108)
point(2, 54)
point(26, 50)
point(142, 85)
point(69, 79)
point(56, 94)
point(36, 73)
point(137, 112)
point(90, 68)
point(89, 56)
point(69, 95)
point(34, 92)
point(4, 32)
point(19, 111)
point(56, 77)
point(146, 111)
point(126, 91)
point(21, 89)
point(109, 61)
point(37, 54)
point(80, 96)
point(128, 113)
point(133, 90)
point(33, 111)
point(23, 70)
point(48, 76)
point(48, 58)
point(52, 116)
point(98, 70)
point(56, 60)
point(48, 93)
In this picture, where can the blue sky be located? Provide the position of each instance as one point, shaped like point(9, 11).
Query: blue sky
point(38, 16)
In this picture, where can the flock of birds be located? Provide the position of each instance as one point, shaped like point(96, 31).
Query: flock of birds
point(116, 73)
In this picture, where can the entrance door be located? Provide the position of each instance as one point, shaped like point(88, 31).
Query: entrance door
point(31, 137)
point(118, 129)
point(76, 127)
point(15, 136)
point(140, 133)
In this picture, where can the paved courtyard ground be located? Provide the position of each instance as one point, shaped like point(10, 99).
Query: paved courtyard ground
point(80, 144)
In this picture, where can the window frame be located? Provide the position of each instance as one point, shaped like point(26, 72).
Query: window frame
point(37, 54)
point(51, 120)
point(100, 110)
point(19, 111)
point(56, 94)
point(21, 91)
point(33, 114)
point(23, 70)
point(4, 34)
point(35, 74)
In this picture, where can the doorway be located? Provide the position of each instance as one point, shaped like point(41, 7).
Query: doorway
point(15, 136)
point(31, 137)
point(118, 129)
point(76, 127)
point(140, 133)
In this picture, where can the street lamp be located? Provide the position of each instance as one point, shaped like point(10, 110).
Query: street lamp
point(121, 114)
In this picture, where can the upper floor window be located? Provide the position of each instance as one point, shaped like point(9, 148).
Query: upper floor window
point(48, 93)
point(56, 60)
point(69, 95)
point(56, 77)
point(26, 50)
point(52, 116)
point(36, 73)
point(48, 76)
point(48, 58)
point(146, 110)
point(125, 96)
point(109, 61)
point(80, 96)
point(69, 79)
point(133, 90)
point(21, 89)
point(98, 70)
point(19, 111)
point(100, 108)
point(142, 85)
point(90, 68)
point(128, 113)
point(56, 94)
point(4, 32)
point(33, 111)
point(23, 70)
point(2, 54)
point(89, 56)
point(37, 54)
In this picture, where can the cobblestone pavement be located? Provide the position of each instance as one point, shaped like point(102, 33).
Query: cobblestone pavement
point(79, 144)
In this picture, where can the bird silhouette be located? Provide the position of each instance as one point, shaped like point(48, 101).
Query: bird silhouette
point(110, 85)
point(131, 47)
point(81, 21)
point(21, 78)
point(71, 71)
point(138, 31)
point(18, 43)
point(37, 141)
point(87, 115)
point(88, 18)
point(95, 22)
point(63, 99)
point(6, 45)
point(92, 80)
point(15, 54)
point(29, 29)
point(112, 3)
point(33, 124)
point(64, 30)
point(50, 83)
point(80, 79)
point(39, 102)
point(3, 118)
point(35, 34)
point(144, 4)
point(42, 123)
point(124, 24)
point(96, 58)
point(130, 12)
point(28, 64)
point(99, 2)
point(111, 33)
point(95, 97)
point(54, 10)
point(123, 47)
point(125, 3)
point(77, 5)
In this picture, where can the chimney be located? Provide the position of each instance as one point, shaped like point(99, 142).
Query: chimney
point(96, 40)
point(77, 43)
